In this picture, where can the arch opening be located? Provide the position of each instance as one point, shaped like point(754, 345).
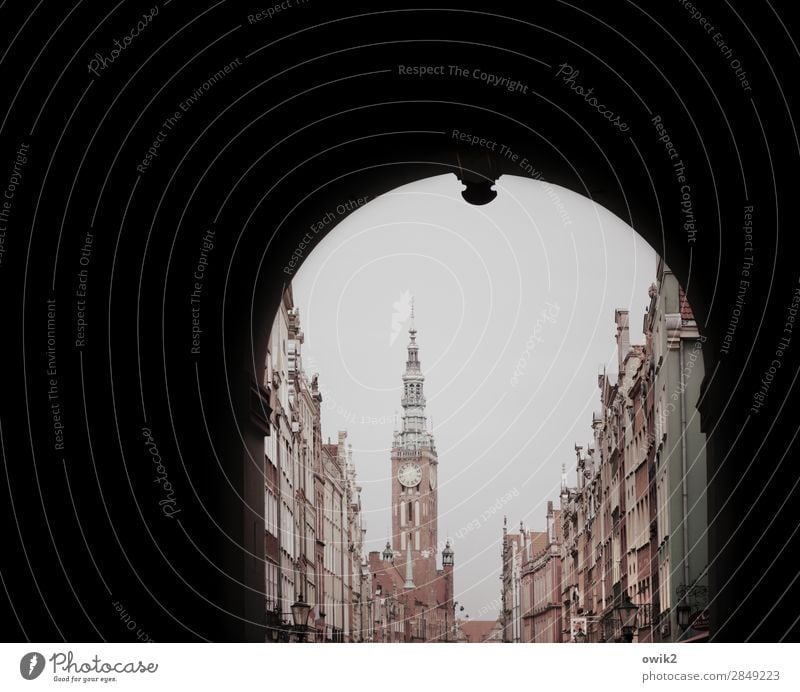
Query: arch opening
point(514, 303)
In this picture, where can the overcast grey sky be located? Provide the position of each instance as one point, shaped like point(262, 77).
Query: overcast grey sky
point(515, 316)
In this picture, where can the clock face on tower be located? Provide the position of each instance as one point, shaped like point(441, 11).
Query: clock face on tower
point(409, 475)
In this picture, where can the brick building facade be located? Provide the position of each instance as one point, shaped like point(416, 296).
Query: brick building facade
point(313, 535)
point(633, 527)
point(541, 584)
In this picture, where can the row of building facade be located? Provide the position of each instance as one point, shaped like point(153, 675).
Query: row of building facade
point(314, 533)
point(624, 557)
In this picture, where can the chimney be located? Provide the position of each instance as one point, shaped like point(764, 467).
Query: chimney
point(623, 337)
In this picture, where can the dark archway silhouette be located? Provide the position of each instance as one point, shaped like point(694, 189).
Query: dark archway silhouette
point(319, 113)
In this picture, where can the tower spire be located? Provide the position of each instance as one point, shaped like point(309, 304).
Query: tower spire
point(412, 330)
point(414, 432)
point(447, 555)
point(388, 554)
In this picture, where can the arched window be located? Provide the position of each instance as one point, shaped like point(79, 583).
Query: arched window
point(410, 515)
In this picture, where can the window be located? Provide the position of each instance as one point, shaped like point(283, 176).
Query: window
point(287, 526)
point(309, 540)
point(271, 449)
point(271, 579)
point(270, 512)
point(410, 515)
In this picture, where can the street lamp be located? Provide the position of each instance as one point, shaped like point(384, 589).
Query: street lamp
point(454, 627)
point(626, 612)
point(300, 611)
